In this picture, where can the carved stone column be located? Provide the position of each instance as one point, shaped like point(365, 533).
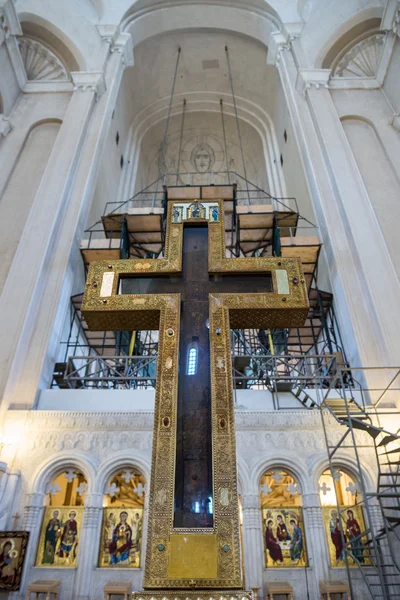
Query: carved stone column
point(89, 545)
point(253, 545)
point(30, 302)
point(318, 557)
point(31, 522)
point(366, 288)
point(7, 499)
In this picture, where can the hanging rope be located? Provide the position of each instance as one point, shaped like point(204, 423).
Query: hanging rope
point(164, 142)
point(224, 134)
point(237, 121)
point(180, 140)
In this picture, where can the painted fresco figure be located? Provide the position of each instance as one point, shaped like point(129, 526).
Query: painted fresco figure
point(51, 538)
point(281, 531)
point(353, 530)
point(121, 543)
point(336, 535)
point(272, 544)
point(296, 546)
point(69, 538)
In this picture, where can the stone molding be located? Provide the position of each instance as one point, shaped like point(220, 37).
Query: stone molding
point(89, 81)
point(391, 17)
point(119, 42)
point(9, 22)
point(308, 79)
point(5, 126)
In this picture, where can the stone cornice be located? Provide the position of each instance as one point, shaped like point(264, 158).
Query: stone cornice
point(119, 42)
point(92, 81)
point(312, 78)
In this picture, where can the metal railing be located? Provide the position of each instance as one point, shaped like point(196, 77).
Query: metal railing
point(111, 372)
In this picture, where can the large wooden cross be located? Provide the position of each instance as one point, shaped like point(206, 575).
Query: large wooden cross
point(194, 300)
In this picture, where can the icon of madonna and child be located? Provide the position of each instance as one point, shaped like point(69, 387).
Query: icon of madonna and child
point(352, 527)
point(121, 537)
point(284, 538)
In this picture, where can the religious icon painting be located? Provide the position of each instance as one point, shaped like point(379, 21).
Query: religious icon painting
point(353, 525)
point(177, 214)
point(59, 537)
point(284, 539)
point(12, 554)
point(196, 210)
point(121, 537)
point(213, 214)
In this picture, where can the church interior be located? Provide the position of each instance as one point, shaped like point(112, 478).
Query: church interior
point(199, 292)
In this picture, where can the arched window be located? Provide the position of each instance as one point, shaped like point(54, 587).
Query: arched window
point(340, 493)
point(282, 516)
point(62, 520)
point(121, 536)
point(192, 361)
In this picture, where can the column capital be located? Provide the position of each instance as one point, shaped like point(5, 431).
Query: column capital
point(5, 126)
point(391, 17)
point(250, 501)
point(120, 42)
point(312, 78)
point(35, 500)
point(278, 42)
point(9, 22)
point(92, 81)
point(94, 500)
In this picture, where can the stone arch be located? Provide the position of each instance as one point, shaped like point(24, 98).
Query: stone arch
point(146, 19)
point(50, 37)
point(298, 471)
point(71, 459)
point(23, 183)
point(119, 461)
point(348, 464)
point(206, 102)
point(374, 167)
point(362, 23)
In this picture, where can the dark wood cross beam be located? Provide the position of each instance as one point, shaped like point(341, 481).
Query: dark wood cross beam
point(193, 474)
point(193, 535)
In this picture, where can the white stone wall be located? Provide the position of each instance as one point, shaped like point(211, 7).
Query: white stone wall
point(42, 443)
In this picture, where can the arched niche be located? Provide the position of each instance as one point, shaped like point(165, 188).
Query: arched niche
point(62, 519)
point(379, 176)
point(205, 144)
point(20, 190)
point(123, 519)
point(344, 520)
point(282, 517)
point(51, 38)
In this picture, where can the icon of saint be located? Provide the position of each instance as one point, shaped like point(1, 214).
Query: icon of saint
point(296, 544)
point(7, 568)
point(281, 531)
point(121, 542)
point(272, 544)
point(336, 535)
point(353, 530)
point(69, 538)
point(51, 537)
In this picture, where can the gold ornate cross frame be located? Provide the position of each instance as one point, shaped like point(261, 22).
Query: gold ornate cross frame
point(208, 558)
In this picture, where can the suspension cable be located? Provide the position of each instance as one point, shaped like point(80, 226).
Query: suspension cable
point(237, 121)
point(180, 140)
point(224, 134)
point(164, 142)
